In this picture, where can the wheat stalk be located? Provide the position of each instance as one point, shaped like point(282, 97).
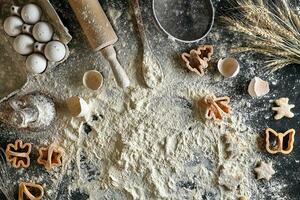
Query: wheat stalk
point(271, 29)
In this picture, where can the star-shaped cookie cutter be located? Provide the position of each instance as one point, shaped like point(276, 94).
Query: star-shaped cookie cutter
point(280, 146)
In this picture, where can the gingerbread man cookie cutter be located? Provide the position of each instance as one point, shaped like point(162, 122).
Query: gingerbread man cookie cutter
point(281, 146)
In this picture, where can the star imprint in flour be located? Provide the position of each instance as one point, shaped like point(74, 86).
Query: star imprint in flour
point(264, 170)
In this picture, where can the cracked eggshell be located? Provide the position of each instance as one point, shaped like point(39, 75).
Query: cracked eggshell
point(31, 13)
point(92, 79)
point(228, 67)
point(13, 26)
point(36, 63)
point(23, 44)
point(77, 106)
point(42, 32)
point(258, 87)
point(55, 51)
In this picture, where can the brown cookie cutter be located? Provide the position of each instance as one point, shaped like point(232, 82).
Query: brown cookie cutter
point(205, 52)
point(197, 60)
point(213, 107)
point(280, 146)
point(50, 156)
point(18, 154)
point(30, 191)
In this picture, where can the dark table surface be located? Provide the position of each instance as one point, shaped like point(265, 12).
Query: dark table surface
point(284, 83)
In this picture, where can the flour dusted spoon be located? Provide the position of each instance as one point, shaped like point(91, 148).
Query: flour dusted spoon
point(151, 68)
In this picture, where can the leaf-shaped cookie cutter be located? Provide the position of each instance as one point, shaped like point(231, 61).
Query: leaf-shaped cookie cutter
point(214, 107)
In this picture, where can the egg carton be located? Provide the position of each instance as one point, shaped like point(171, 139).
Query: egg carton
point(50, 16)
point(18, 94)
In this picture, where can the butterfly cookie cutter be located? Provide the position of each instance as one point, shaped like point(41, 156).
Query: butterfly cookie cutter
point(282, 145)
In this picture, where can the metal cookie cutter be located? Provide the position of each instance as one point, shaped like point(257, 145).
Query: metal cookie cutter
point(184, 20)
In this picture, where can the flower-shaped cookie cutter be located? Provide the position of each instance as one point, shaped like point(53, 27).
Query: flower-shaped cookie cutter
point(284, 141)
point(18, 154)
point(50, 156)
point(197, 60)
point(213, 107)
point(30, 191)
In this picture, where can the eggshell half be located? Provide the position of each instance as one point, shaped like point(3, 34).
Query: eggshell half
point(77, 106)
point(228, 67)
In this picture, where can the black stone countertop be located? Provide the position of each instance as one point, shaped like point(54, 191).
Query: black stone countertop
point(284, 83)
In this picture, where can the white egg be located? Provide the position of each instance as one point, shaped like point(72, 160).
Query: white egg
point(23, 44)
point(13, 26)
point(55, 51)
point(42, 32)
point(36, 63)
point(31, 13)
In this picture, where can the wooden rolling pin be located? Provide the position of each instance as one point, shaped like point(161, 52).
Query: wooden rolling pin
point(100, 34)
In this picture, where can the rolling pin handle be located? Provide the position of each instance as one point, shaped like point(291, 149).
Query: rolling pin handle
point(121, 77)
